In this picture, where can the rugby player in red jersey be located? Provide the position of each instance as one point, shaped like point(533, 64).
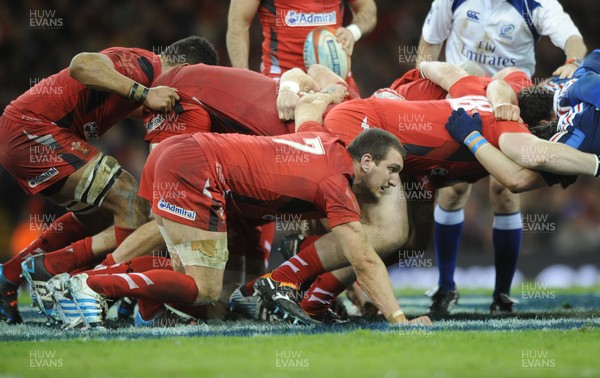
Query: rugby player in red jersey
point(286, 24)
point(233, 175)
point(43, 144)
point(430, 150)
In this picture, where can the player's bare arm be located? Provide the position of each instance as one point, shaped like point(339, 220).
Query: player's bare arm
point(466, 129)
point(310, 108)
point(575, 51)
point(239, 19)
point(97, 71)
point(441, 73)
point(363, 21)
point(535, 153)
point(503, 100)
point(428, 51)
point(370, 271)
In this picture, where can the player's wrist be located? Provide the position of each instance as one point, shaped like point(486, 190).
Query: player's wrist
point(355, 31)
point(397, 317)
point(574, 61)
point(138, 93)
point(475, 141)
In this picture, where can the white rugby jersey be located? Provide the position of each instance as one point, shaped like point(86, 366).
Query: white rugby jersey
point(497, 33)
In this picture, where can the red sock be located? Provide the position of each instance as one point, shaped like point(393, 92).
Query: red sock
point(121, 233)
point(305, 265)
point(148, 308)
point(77, 255)
point(108, 260)
point(250, 286)
point(136, 265)
point(62, 232)
point(322, 293)
point(156, 285)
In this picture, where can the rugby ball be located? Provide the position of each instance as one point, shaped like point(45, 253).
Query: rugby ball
point(322, 47)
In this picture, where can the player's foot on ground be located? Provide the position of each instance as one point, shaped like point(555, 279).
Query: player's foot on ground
point(90, 305)
point(248, 306)
point(330, 317)
point(502, 305)
point(442, 302)
point(34, 272)
point(64, 309)
point(9, 307)
point(290, 245)
point(165, 318)
point(280, 298)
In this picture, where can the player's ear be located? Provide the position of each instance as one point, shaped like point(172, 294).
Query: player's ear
point(365, 162)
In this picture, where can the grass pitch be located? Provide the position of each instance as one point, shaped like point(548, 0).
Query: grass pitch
point(554, 336)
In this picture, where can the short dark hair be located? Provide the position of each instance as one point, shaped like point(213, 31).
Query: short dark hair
point(535, 104)
point(545, 131)
point(191, 50)
point(375, 142)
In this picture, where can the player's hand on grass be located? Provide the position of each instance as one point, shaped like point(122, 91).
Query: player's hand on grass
point(507, 112)
point(460, 124)
point(421, 320)
point(161, 99)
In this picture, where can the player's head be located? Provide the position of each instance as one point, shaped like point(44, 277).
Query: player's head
point(536, 104)
point(378, 159)
point(545, 130)
point(190, 50)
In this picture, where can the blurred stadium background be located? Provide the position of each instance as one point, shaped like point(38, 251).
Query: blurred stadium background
point(562, 227)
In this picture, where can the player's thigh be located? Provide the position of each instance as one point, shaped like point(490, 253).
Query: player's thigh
point(453, 197)
point(503, 200)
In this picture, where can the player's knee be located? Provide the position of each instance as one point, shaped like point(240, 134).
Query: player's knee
point(122, 198)
point(454, 197)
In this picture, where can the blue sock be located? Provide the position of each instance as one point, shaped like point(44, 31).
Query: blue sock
point(447, 233)
point(508, 230)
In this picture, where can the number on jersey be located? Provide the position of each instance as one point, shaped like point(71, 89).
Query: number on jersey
point(471, 104)
point(311, 145)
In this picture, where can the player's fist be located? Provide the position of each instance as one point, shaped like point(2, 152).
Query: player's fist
point(507, 112)
point(460, 124)
point(161, 99)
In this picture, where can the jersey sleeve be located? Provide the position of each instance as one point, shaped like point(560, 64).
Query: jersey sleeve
point(438, 23)
point(518, 80)
point(551, 20)
point(502, 127)
point(337, 200)
point(137, 64)
point(469, 86)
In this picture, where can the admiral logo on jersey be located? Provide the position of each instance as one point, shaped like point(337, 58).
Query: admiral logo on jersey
point(176, 210)
point(294, 19)
point(33, 182)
